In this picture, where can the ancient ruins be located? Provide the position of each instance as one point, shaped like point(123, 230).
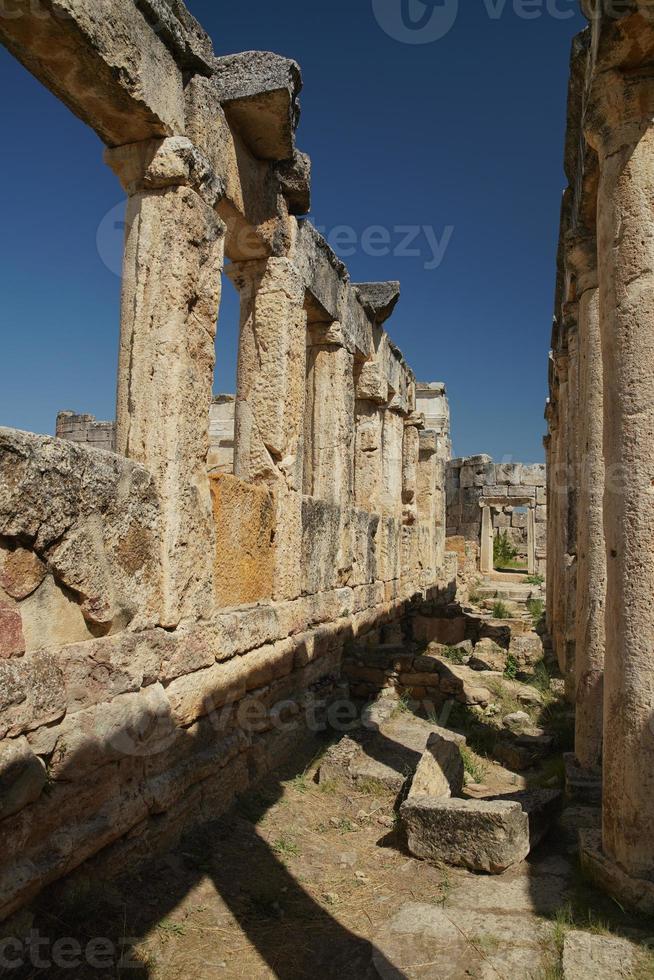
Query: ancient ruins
point(191, 591)
point(599, 444)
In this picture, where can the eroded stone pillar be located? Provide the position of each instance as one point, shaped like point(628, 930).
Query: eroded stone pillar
point(169, 305)
point(622, 132)
point(368, 456)
point(392, 459)
point(559, 480)
point(486, 563)
point(531, 541)
point(270, 401)
point(591, 553)
point(329, 419)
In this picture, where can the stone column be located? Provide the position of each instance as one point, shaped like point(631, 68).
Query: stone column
point(531, 541)
point(392, 456)
point(622, 132)
point(169, 306)
point(591, 552)
point(270, 401)
point(570, 532)
point(429, 497)
point(559, 478)
point(486, 564)
point(329, 419)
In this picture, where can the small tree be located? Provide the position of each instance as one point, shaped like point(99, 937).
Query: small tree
point(503, 551)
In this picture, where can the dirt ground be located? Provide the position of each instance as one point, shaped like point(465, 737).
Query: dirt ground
point(308, 880)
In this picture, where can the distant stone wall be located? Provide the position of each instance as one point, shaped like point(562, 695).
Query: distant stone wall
point(221, 434)
point(513, 495)
point(85, 428)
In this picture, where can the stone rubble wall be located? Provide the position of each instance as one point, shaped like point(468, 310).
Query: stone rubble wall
point(85, 428)
point(509, 488)
point(600, 418)
point(168, 629)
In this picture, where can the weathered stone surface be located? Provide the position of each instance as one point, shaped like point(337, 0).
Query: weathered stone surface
point(126, 84)
point(295, 181)
point(31, 693)
point(259, 92)
point(21, 572)
point(433, 942)
point(93, 517)
point(440, 770)
point(245, 520)
point(22, 776)
point(158, 164)
point(474, 834)
point(170, 295)
point(527, 650)
point(379, 299)
point(589, 956)
point(487, 655)
point(12, 640)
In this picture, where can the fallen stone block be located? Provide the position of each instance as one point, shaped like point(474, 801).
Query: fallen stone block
point(487, 655)
point(542, 807)
point(440, 771)
point(481, 835)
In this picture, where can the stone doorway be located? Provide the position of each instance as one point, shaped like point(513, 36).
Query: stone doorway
point(517, 517)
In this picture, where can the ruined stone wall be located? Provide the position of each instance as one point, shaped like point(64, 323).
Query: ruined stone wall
point(85, 428)
point(514, 497)
point(600, 417)
point(168, 633)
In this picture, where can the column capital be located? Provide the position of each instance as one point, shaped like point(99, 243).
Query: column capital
point(157, 164)
point(257, 277)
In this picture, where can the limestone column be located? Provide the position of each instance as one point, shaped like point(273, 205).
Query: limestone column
point(169, 305)
point(429, 497)
point(591, 553)
point(486, 565)
point(570, 532)
point(329, 419)
point(559, 478)
point(531, 541)
point(621, 129)
point(270, 401)
point(392, 457)
point(368, 457)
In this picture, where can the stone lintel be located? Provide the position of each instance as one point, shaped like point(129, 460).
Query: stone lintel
point(259, 92)
point(378, 299)
point(157, 164)
point(189, 44)
point(104, 61)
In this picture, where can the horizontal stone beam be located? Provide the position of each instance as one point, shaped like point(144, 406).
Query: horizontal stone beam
point(103, 59)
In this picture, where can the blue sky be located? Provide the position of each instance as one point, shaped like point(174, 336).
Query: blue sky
point(461, 136)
